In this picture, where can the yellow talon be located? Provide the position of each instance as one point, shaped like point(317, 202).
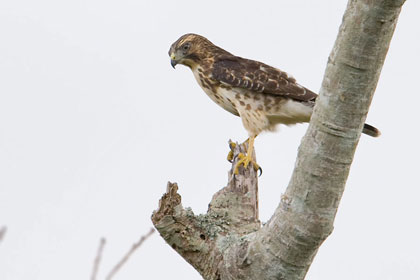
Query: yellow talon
point(232, 146)
point(230, 156)
point(246, 159)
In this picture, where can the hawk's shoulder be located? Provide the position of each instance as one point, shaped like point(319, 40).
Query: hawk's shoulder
point(256, 76)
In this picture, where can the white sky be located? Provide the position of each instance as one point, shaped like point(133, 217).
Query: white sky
point(94, 122)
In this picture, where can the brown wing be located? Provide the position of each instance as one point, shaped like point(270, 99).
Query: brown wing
point(256, 76)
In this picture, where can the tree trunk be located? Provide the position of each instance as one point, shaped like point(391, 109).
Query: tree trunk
point(228, 242)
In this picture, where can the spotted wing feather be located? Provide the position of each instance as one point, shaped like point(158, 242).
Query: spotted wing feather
point(256, 76)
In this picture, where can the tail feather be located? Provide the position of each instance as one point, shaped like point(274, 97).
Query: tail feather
point(371, 130)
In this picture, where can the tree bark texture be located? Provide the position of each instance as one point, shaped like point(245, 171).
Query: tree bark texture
point(228, 242)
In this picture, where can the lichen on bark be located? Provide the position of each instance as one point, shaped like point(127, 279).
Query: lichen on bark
point(228, 242)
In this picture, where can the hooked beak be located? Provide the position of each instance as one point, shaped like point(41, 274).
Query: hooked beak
point(173, 61)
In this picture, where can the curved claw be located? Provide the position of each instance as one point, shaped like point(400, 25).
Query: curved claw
point(260, 171)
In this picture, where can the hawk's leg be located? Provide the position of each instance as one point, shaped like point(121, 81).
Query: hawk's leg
point(245, 160)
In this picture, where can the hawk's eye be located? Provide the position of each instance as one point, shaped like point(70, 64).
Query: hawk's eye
point(185, 47)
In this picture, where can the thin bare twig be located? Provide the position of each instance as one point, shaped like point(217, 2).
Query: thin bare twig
point(98, 258)
point(3, 230)
point(135, 246)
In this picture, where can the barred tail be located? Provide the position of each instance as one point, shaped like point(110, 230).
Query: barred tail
point(371, 131)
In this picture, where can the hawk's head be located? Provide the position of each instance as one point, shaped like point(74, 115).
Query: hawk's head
point(190, 49)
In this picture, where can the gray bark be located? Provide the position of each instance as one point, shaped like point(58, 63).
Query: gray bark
point(228, 242)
